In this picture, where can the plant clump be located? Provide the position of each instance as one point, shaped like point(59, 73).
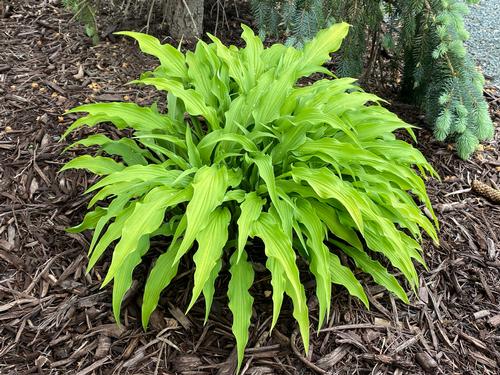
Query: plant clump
point(243, 153)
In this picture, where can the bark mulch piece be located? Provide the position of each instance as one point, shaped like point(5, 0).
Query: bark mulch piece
point(55, 319)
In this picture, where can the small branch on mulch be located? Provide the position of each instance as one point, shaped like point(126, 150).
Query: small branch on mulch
point(386, 359)
point(304, 360)
point(486, 191)
point(451, 206)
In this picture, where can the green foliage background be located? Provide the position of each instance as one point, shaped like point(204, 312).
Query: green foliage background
point(85, 11)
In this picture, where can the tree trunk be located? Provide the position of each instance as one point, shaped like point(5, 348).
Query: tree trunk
point(185, 18)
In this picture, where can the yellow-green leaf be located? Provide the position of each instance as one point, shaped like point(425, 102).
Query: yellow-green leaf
point(211, 241)
point(278, 282)
point(96, 164)
point(123, 278)
point(278, 245)
point(251, 209)
point(160, 277)
point(327, 185)
point(319, 255)
point(240, 301)
point(171, 59)
point(317, 51)
point(209, 187)
point(209, 288)
point(379, 273)
point(342, 275)
point(146, 218)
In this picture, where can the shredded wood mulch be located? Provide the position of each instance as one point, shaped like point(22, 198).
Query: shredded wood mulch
point(54, 318)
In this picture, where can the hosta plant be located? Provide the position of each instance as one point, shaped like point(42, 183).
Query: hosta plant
point(244, 154)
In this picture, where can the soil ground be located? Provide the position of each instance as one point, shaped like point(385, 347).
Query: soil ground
point(55, 319)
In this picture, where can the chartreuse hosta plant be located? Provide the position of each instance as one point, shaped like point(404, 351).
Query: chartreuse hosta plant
point(244, 154)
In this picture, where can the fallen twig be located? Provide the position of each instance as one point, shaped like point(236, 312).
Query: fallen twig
point(304, 360)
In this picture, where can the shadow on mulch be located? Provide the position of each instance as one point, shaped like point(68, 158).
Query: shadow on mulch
point(55, 319)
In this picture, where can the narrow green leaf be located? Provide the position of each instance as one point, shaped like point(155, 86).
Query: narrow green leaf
point(115, 208)
point(98, 165)
point(194, 102)
point(113, 232)
point(91, 140)
point(209, 187)
point(251, 209)
point(208, 143)
point(278, 245)
point(271, 98)
point(240, 301)
point(140, 173)
point(327, 185)
point(211, 241)
point(266, 171)
point(128, 150)
point(235, 195)
point(278, 282)
point(146, 218)
point(252, 53)
point(132, 188)
point(342, 275)
point(176, 158)
point(319, 255)
point(232, 59)
point(318, 50)
point(382, 236)
point(123, 278)
point(164, 137)
point(379, 273)
point(89, 221)
point(122, 115)
point(328, 215)
point(193, 153)
point(171, 59)
point(159, 278)
point(209, 289)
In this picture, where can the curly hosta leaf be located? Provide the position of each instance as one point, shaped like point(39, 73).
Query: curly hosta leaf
point(278, 246)
point(122, 115)
point(251, 209)
point(209, 288)
point(209, 186)
point(278, 282)
point(194, 102)
point(342, 275)
point(376, 270)
point(171, 59)
point(318, 50)
point(146, 218)
point(161, 275)
point(123, 277)
point(96, 164)
point(319, 255)
point(211, 241)
point(327, 185)
point(240, 301)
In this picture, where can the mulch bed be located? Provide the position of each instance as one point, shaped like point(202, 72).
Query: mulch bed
point(55, 319)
